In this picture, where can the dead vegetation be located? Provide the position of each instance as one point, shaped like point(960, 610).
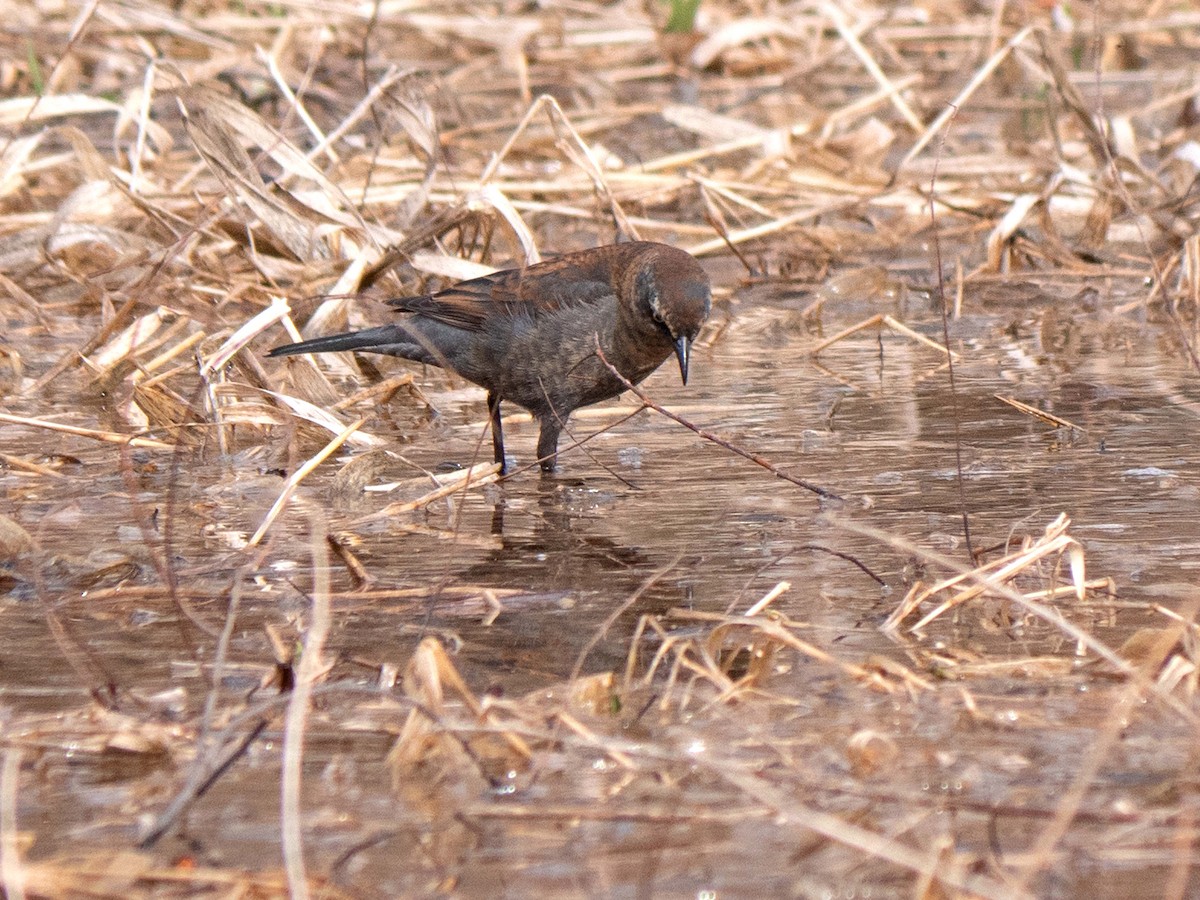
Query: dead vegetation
point(184, 185)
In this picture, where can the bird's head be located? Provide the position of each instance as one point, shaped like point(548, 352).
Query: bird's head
point(670, 296)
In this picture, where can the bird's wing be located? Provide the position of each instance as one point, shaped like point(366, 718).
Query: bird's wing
point(571, 280)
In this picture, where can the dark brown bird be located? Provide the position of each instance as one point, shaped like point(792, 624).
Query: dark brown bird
point(529, 335)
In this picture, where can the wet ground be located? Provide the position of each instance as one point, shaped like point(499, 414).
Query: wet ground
point(536, 579)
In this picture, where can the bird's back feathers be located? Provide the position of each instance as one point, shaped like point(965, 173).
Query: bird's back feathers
point(570, 280)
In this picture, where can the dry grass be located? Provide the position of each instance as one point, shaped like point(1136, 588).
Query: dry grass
point(184, 185)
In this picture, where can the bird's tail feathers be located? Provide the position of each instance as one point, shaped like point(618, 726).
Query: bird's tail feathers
point(373, 340)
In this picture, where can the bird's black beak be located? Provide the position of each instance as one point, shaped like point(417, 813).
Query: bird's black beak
point(682, 347)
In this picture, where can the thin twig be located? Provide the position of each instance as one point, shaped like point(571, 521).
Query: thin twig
point(955, 406)
point(719, 441)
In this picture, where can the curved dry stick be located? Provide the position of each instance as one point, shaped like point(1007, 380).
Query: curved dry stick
point(716, 439)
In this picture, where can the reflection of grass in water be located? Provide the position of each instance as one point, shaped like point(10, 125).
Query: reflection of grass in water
point(683, 16)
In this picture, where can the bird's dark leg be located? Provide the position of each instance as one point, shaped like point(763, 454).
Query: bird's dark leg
point(493, 401)
point(547, 448)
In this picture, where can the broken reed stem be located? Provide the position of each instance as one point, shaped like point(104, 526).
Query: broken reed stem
point(957, 103)
point(299, 475)
point(1041, 415)
point(1048, 614)
point(719, 441)
point(835, 14)
point(108, 437)
point(1038, 858)
point(882, 319)
point(24, 465)
point(870, 843)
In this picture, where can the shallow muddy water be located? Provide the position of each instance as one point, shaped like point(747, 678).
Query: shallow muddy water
point(674, 522)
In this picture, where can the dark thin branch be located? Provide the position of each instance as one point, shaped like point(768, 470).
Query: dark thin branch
point(719, 441)
point(941, 294)
point(196, 788)
point(853, 560)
